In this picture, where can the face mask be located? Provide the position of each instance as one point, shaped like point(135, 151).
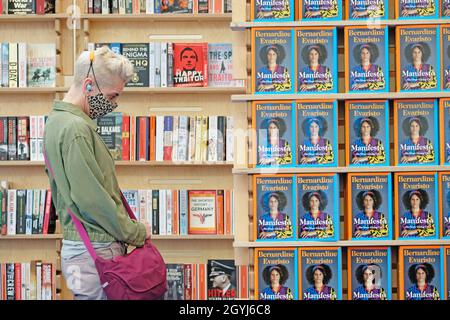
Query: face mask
point(100, 106)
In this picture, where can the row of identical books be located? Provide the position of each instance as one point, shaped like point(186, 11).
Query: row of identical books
point(316, 273)
point(306, 207)
point(305, 59)
point(305, 133)
point(330, 10)
point(27, 6)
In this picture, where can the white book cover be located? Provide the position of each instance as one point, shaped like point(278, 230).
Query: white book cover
point(122, 8)
point(198, 138)
point(183, 212)
point(150, 6)
point(42, 209)
point(212, 139)
point(159, 146)
point(28, 280)
point(142, 196)
point(105, 7)
point(169, 209)
point(41, 127)
point(36, 204)
point(39, 280)
point(175, 138)
point(12, 67)
point(12, 217)
point(149, 209)
point(29, 212)
point(162, 212)
point(40, 149)
point(33, 127)
point(22, 57)
point(152, 64)
point(229, 144)
point(192, 138)
point(158, 65)
point(163, 64)
point(183, 138)
point(34, 149)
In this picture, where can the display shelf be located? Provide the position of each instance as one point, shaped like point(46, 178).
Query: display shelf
point(32, 237)
point(32, 17)
point(193, 237)
point(187, 90)
point(33, 90)
point(182, 17)
point(128, 164)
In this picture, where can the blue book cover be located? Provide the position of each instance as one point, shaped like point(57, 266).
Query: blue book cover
point(418, 59)
point(369, 273)
point(274, 127)
point(444, 132)
point(274, 207)
point(272, 10)
point(444, 208)
point(367, 133)
point(320, 274)
point(318, 207)
point(317, 133)
point(447, 272)
point(116, 47)
point(369, 203)
point(366, 59)
point(316, 67)
point(416, 206)
point(445, 57)
point(416, 130)
point(421, 273)
point(276, 274)
point(367, 9)
point(5, 65)
point(320, 10)
point(416, 9)
point(272, 60)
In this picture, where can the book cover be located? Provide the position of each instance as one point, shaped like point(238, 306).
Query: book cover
point(12, 138)
point(416, 9)
point(175, 282)
point(273, 123)
point(110, 130)
point(444, 8)
point(21, 7)
point(366, 59)
point(203, 6)
point(367, 9)
point(13, 65)
point(49, 6)
point(272, 60)
point(369, 273)
point(41, 68)
point(220, 65)
point(132, 198)
point(318, 207)
point(417, 58)
point(319, 10)
point(5, 65)
point(190, 64)
point(320, 273)
point(444, 204)
point(416, 206)
point(272, 10)
point(274, 213)
point(316, 67)
point(138, 54)
point(276, 274)
point(445, 56)
point(3, 138)
point(229, 141)
point(416, 132)
point(212, 139)
point(369, 205)
point(421, 273)
point(202, 212)
point(176, 6)
point(367, 133)
point(447, 272)
point(317, 133)
point(155, 212)
point(222, 280)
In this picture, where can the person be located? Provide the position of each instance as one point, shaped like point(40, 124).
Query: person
point(417, 8)
point(274, 10)
point(366, 76)
point(367, 149)
point(315, 77)
point(315, 223)
point(273, 76)
point(318, 277)
point(315, 148)
point(188, 59)
point(421, 276)
point(276, 150)
point(366, 275)
point(324, 9)
point(220, 276)
point(418, 75)
point(416, 148)
point(84, 177)
point(369, 222)
point(416, 222)
point(274, 224)
point(366, 9)
point(275, 278)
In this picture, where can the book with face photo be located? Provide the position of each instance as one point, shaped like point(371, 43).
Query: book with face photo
point(444, 204)
point(447, 272)
point(319, 10)
point(445, 56)
point(444, 9)
point(416, 132)
point(272, 10)
point(444, 130)
point(367, 9)
point(416, 206)
point(316, 67)
point(416, 9)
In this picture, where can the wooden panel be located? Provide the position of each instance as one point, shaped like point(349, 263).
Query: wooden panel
point(27, 250)
point(43, 32)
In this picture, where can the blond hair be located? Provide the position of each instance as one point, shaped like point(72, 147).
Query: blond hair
point(108, 67)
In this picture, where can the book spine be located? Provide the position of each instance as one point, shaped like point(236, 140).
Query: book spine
point(204, 140)
point(40, 141)
point(5, 65)
point(220, 212)
point(12, 138)
point(182, 140)
point(163, 64)
point(89, 6)
point(155, 212)
point(152, 62)
point(22, 60)
point(220, 138)
point(3, 281)
point(10, 281)
point(12, 221)
point(17, 281)
point(159, 152)
point(168, 133)
point(33, 136)
point(132, 138)
point(4, 208)
point(162, 212)
point(126, 137)
point(128, 6)
point(142, 198)
point(47, 282)
point(105, 7)
point(150, 7)
point(175, 138)
point(149, 208)
point(183, 212)
point(198, 138)
point(36, 202)
point(229, 140)
point(115, 7)
point(29, 212)
point(169, 210)
point(175, 213)
point(187, 268)
point(152, 137)
point(97, 6)
point(212, 139)
point(42, 210)
point(3, 138)
point(23, 138)
point(20, 211)
point(157, 64)
point(142, 135)
point(192, 138)
point(48, 203)
point(170, 64)
point(228, 223)
point(13, 65)
point(122, 7)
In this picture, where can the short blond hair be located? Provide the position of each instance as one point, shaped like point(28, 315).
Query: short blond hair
point(108, 67)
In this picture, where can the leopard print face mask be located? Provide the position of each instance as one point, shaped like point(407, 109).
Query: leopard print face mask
point(100, 106)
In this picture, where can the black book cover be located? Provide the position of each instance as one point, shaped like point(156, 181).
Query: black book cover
point(50, 6)
point(138, 54)
point(10, 284)
point(12, 138)
point(221, 127)
point(20, 211)
point(21, 7)
point(3, 138)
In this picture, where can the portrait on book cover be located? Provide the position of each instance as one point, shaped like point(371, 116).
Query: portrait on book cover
point(369, 277)
point(314, 220)
point(221, 280)
point(367, 65)
point(421, 285)
point(367, 140)
point(272, 10)
point(417, 140)
point(446, 211)
point(371, 220)
point(446, 61)
point(445, 8)
point(417, 219)
point(319, 277)
point(417, 8)
point(321, 9)
point(447, 271)
point(367, 9)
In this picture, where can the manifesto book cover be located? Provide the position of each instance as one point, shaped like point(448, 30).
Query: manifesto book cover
point(444, 204)
point(272, 10)
point(445, 9)
point(447, 272)
point(444, 130)
point(416, 9)
point(367, 9)
point(445, 57)
point(319, 10)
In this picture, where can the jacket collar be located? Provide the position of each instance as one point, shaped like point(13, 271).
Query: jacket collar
point(68, 107)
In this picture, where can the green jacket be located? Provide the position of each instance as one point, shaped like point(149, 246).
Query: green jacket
point(85, 179)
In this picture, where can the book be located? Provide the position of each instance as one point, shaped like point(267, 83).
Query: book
point(49, 6)
point(416, 206)
point(175, 282)
point(323, 264)
point(416, 9)
point(444, 204)
point(445, 56)
point(23, 138)
point(444, 8)
point(272, 10)
point(138, 54)
point(369, 273)
point(317, 133)
point(366, 61)
point(222, 280)
point(12, 138)
point(367, 133)
point(417, 58)
point(41, 66)
point(276, 267)
point(110, 130)
point(318, 207)
point(319, 10)
point(416, 132)
point(3, 138)
point(13, 65)
point(369, 202)
point(420, 273)
point(202, 212)
point(273, 125)
point(203, 6)
point(177, 6)
point(229, 139)
point(21, 7)
point(220, 65)
point(22, 64)
point(367, 9)
point(5, 65)
point(316, 67)
point(190, 64)
point(447, 272)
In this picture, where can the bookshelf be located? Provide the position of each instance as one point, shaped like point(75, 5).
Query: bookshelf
point(207, 17)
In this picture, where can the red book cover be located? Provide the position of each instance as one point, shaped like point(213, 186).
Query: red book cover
point(3, 278)
point(202, 281)
point(228, 212)
point(126, 137)
point(190, 64)
point(143, 132)
point(152, 137)
point(220, 212)
point(48, 204)
point(133, 138)
point(175, 215)
point(188, 282)
point(17, 281)
point(243, 281)
point(40, 6)
point(1, 8)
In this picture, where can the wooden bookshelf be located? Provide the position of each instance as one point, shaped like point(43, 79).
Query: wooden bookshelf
point(194, 237)
point(33, 90)
point(344, 243)
point(29, 18)
point(187, 90)
point(182, 17)
point(128, 164)
point(33, 237)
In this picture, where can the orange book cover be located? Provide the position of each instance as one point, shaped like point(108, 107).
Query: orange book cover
point(202, 212)
point(447, 272)
point(126, 137)
point(218, 6)
point(143, 132)
point(194, 281)
point(228, 212)
point(220, 212)
point(3, 280)
point(195, 7)
point(202, 281)
point(152, 137)
point(175, 214)
point(444, 204)
point(243, 281)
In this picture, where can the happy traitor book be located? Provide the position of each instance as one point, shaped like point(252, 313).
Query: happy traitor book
point(190, 64)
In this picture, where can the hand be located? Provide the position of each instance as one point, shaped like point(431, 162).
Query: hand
point(148, 229)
